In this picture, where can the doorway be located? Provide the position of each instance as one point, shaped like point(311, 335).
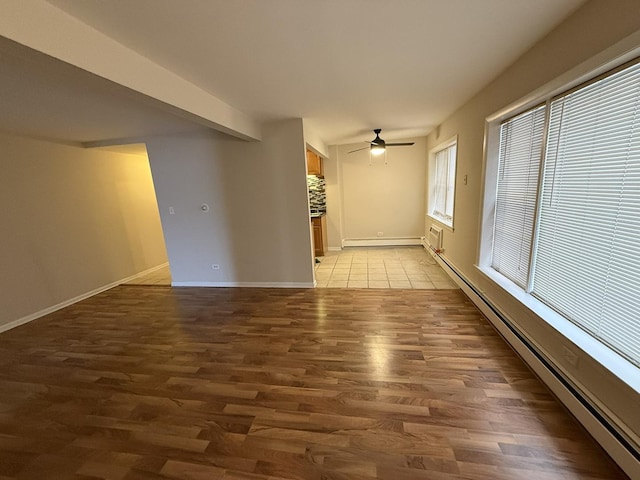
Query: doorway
point(137, 193)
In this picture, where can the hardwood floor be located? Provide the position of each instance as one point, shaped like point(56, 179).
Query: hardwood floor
point(162, 276)
point(154, 382)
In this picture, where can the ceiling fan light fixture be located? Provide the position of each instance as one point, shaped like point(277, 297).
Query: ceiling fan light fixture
point(378, 146)
point(377, 150)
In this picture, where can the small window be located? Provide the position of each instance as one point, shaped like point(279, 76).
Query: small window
point(442, 182)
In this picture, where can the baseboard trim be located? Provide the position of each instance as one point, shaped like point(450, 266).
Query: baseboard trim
point(76, 299)
point(146, 272)
point(604, 431)
point(381, 242)
point(245, 284)
point(335, 249)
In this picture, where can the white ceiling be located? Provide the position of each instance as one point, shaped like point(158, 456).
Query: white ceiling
point(347, 66)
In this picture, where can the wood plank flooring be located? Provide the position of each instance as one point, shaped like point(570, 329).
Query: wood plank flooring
point(162, 276)
point(240, 384)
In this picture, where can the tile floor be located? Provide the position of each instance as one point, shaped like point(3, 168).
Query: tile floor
point(361, 267)
point(381, 267)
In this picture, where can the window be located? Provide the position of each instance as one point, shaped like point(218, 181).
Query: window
point(566, 223)
point(518, 167)
point(442, 175)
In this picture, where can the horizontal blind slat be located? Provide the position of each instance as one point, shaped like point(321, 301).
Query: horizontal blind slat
point(588, 254)
point(518, 171)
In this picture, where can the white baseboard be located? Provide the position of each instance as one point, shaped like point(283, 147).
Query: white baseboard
point(335, 249)
point(551, 376)
point(381, 242)
point(79, 298)
point(146, 272)
point(245, 284)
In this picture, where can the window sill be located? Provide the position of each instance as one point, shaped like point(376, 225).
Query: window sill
point(619, 366)
point(441, 222)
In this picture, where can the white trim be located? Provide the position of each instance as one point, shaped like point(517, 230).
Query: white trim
point(79, 298)
point(605, 356)
point(610, 443)
point(440, 222)
point(245, 284)
point(146, 272)
point(610, 58)
point(335, 249)
point(431, 179)
point(381, 242)
point(445, 144)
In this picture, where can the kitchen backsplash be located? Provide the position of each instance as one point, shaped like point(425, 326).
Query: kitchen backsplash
point(317, 195)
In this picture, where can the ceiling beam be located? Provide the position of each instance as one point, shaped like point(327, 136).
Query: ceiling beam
point(45, 28)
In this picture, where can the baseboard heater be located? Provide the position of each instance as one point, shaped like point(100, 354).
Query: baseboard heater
point(381, 241)
point(557, 375)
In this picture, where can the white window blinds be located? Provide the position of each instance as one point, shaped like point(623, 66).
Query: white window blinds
point(588, 248)
point(518, 171)
point(444, 189)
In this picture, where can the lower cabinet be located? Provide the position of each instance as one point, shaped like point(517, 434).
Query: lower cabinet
point(319, 235)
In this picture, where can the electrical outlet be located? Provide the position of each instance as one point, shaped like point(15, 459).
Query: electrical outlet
point(215, 266)
point(171, 211)
point(381, 234)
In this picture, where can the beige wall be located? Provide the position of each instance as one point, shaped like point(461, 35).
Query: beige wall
point(74, 220)
point(258, 227)
point(382, 198)
point(334, 199)
point(313, 140)
point(592, 29)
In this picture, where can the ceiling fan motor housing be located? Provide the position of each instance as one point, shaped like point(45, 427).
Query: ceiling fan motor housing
point(378, 141)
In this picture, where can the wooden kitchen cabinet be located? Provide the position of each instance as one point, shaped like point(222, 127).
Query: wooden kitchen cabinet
point(314, 164)
point(319, 235)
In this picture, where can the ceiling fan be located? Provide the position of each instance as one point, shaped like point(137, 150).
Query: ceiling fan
point(378, 146)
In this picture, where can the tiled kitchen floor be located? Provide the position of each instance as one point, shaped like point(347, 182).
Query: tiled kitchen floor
point(360, 267)
point(381, 267)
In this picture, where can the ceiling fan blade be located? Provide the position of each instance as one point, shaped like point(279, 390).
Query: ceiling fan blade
point(399, 144)
point(357, 150)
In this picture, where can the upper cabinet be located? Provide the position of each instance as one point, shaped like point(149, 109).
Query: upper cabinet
point(314, 164)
